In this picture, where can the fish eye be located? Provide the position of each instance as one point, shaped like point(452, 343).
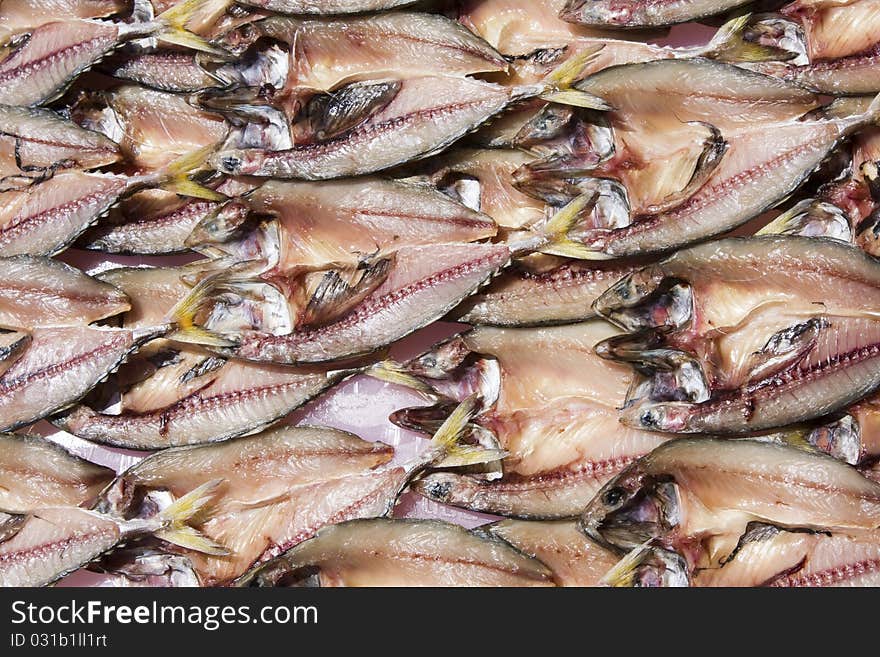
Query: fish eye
point(613, 496)
point(230, 163)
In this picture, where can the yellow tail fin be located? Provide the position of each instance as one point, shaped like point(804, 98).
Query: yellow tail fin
point(391, 372)
point(173, 28)
point(729, 45)
point(175, 176)
point(557, 231)
point(183, 317)
point(191, 508)
point(559, 85)
point(447, 441)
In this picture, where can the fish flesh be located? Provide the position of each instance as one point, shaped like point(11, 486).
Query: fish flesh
point(59, 366)
point(55, 541)
point(326, 53)
point(697, 496)
point(390, 298)
point(43, 292)
point(22, 16)
point(574, 559)
point(36, 473)
point(383, 552)
point(550, 403)
point(35, 142)
point(840, 41)
point(367, 127)
point(164, 70)
point(304, 225)
point(39, 69)
point(153, 128)
point(282, 486)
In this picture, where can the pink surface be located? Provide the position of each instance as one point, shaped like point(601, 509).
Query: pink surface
point(360, 405)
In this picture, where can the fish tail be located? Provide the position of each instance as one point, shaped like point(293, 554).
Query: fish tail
point(622, 574)
point(175, 176)
point(392, 372)
point(558, 231)
point(448, 441)
point(190, 508)
point(184, 313)
point(172, 28)
point(559, 84)
point(730, 45)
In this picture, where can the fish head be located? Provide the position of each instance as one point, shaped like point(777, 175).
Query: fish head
point(670, 416)
point(598, 12)
point(632, 509)
point(220, 225)
point(237, 162)
point(647, 299)
point(440, 361)
point(239, 39)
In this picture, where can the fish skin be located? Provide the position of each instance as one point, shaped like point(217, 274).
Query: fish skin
point(337, 223)
point(556, 417)
point(384, 552)
point(46, 142)
point(60, 366)
point(242, 399)
point(639, 14)
point(25, 562)
point(325, 53)
point(169, 71)
point(37, 291)
point(22, 16)
point(70, 201)
point(325, 7)
point(37, 473)
point(573, 558)
point(424, 283)
point(40, 70)
point(407, 128)
point(723, 485)
point(523, 297)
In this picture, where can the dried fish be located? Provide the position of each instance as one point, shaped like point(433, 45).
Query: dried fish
point(697, 496)
point(325, 53)
point(37, 473)
point(55, 541)
point(22, 16)
point(389, 298)
point(44, 292)
point(59, 366)
point(326, 7)
point(285, 485)
point(367, 127)
point(39, 68)
point(164, 70)
point(383, 552)
point(640, 13)
point(315, 225)
point(34, 143)
point(550, 402)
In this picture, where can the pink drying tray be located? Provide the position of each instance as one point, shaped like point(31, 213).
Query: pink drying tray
point(360, 405)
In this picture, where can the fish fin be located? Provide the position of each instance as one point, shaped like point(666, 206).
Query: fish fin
point(334, 296)
point(811, 218)
point(392, 372)
point(872, 114)
point(172, 28)
point(190, 508)
point(558, 231)
point(175, 176)
point(559, 84)
point(729, 45)
point(452, 452)
point(623, 572)
point(183, 316)
point(332, 114)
